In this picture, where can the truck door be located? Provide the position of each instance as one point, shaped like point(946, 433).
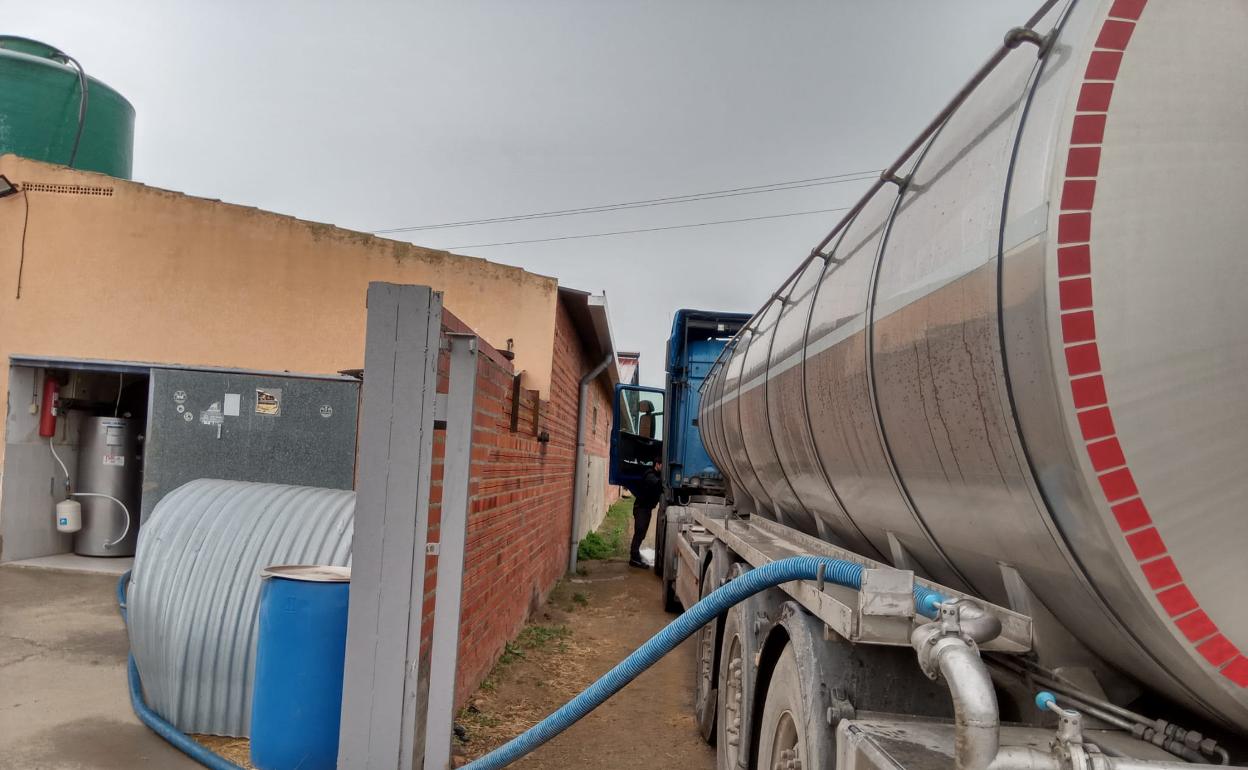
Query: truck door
point(636, 433)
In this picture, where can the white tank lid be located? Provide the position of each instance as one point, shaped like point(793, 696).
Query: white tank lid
point(309, 572)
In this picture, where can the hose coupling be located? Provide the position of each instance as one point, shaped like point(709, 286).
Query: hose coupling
point(966, 619)
point(930, 641)
point(1068, 746)
point(959, 622)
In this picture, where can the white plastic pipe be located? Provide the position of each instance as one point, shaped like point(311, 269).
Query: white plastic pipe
point(58, 460)
point(582, 463)
point(124, 510)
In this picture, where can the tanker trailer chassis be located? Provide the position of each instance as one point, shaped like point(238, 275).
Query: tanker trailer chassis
point(817, 675)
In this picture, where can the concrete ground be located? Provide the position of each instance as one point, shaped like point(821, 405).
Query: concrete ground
point(64, 702)
point(70, 562)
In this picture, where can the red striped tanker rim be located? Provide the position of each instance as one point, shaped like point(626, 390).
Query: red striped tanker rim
point(1083, 364)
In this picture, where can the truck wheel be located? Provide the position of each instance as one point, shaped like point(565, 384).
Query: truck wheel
point(706, 685)
point(786, 737)
point(671, 602)
point(660, 540)
point(663, 565)
point(732, 731)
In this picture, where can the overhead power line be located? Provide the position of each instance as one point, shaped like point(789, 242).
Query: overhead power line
point(646, 229)
point(795, 184)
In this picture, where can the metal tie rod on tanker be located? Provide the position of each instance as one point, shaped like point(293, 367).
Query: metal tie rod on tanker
point(1013, 39)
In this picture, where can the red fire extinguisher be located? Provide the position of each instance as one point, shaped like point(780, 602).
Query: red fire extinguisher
point(50, 408)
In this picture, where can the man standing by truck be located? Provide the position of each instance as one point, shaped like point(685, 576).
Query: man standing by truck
point(646, 495)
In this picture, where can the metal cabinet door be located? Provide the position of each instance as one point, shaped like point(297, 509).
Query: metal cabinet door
point(248, 427)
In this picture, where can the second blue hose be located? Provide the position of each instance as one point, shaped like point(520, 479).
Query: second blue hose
point(844, 573)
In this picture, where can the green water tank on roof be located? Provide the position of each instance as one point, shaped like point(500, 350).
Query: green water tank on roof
point(40, 103)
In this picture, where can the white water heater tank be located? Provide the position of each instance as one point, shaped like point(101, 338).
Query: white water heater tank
point(68, 516)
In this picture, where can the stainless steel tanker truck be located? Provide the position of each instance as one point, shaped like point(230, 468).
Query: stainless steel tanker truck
point(1016, 373)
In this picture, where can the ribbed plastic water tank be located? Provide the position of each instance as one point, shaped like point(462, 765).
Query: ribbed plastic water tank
point(40, 101)
point(194, 591)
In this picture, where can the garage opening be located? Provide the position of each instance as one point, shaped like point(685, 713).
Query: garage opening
point(91, 447)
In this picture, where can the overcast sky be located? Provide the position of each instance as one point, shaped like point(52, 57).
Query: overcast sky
point(375, 115)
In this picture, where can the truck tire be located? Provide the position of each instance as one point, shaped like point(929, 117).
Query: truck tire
point(705, 672)
point(671, 602)
point(664, 565)
point(736, 674)
point(790, 732)
point(660, 539)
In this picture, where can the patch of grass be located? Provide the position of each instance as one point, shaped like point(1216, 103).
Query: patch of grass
point(580, 599)
point(536, 635)
point(511, 653)
point(611, 539)
point(478, 718)
point(472, 720)
point(593, 546)
point(531, 637)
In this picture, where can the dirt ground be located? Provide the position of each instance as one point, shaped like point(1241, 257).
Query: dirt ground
point(591, 623)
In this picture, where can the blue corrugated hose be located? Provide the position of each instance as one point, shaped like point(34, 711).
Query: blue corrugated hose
point(837, 571)
point(180, 740)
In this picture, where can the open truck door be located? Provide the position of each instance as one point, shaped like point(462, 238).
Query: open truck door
point(636, 433)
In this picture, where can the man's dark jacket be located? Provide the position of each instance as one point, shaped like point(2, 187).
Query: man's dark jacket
point(647, 492)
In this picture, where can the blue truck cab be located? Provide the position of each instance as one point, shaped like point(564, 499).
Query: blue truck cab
point(661, 424)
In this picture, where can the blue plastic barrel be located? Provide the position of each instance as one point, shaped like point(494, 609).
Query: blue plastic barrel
point(297, 693)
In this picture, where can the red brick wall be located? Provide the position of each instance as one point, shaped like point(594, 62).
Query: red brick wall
point(521, 496)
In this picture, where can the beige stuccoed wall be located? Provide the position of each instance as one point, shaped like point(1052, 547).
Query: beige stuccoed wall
point(155, 276)
point(152, 275)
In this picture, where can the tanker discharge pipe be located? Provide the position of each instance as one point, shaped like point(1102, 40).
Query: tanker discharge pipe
point(947, 649)
point(944, 652)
